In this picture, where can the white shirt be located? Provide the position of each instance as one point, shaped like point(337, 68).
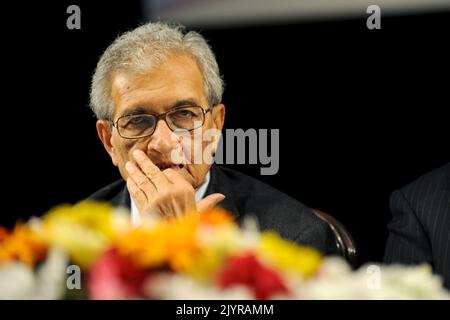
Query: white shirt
point(199, 194)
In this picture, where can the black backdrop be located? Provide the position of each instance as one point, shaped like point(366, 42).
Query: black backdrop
point(360, 112)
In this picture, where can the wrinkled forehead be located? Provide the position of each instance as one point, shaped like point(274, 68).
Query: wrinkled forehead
point(158, 89)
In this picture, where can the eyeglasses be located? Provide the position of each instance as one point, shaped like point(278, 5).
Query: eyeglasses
point(143, 125)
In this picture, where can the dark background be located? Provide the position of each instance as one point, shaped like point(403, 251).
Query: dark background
point(360, 112)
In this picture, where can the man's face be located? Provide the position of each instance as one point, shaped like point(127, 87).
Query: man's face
point(176, 82)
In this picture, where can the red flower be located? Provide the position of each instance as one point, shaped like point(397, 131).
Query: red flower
point(247, 270)
point(114, 277)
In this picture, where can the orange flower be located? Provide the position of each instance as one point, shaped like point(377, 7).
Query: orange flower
point(215, 217)
point(4, 234)
point(21, 244)
point(170, 242)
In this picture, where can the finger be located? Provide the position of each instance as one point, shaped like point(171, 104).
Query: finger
point(174, 177)
point(209, 202)
point(139, 178)
point(139, 196)
point(150, 169)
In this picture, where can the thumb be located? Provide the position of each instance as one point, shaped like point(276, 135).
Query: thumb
point(209, 202)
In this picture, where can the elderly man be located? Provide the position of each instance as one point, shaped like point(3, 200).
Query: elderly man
point(149, 84)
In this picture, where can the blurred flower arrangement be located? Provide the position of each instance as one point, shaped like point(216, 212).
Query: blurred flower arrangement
point(199, 256)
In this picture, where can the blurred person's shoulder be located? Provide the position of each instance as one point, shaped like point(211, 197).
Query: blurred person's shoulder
point(430, 184)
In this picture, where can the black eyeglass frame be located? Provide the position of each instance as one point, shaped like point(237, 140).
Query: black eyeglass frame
point(161, 116)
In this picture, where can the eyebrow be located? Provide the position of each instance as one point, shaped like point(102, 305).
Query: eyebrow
point(179, 103)
point(187, 102)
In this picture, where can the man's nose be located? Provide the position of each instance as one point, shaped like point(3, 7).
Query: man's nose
point(163, 140)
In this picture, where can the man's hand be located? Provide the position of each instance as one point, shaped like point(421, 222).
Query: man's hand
point(166, 192)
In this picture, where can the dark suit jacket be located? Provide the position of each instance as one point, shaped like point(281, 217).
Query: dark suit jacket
point(247, 196)
point(420, 228)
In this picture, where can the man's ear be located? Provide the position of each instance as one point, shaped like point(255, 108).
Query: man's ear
point(105, 135)
point(218, 113)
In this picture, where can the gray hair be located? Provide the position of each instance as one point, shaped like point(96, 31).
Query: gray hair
point(147, 46)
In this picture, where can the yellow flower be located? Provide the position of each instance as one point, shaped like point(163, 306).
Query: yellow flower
point(21, 244)
point(84, 230)
point(287, 256)
point(215, 245)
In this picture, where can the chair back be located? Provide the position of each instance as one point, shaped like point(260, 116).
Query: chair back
point(345, 245)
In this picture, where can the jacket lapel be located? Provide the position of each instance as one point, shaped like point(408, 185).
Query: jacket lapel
point(219, 184)
point(122, 199)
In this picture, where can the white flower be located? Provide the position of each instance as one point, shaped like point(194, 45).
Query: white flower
point(371, 281)
point(18, 281)
point(407, 282)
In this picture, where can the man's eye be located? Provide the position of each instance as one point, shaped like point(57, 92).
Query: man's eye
point(139, 121)
point(184, 114)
